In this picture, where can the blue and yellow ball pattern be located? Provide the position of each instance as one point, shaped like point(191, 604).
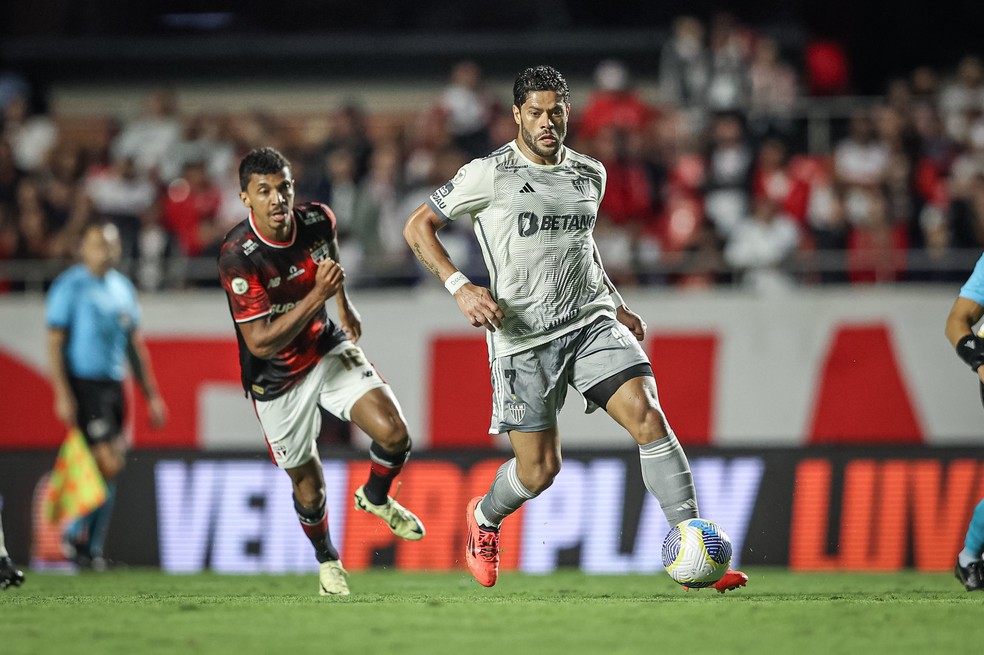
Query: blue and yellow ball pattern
point(696, 553)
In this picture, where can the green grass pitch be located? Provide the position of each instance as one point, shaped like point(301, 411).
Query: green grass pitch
point(139, 611)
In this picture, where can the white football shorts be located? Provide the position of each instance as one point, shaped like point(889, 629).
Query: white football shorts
point(291, 422)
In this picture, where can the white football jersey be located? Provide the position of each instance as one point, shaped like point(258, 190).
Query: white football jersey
point(534, 224)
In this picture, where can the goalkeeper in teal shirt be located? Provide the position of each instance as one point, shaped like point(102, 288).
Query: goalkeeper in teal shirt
point(92, 318)
point(967, 310)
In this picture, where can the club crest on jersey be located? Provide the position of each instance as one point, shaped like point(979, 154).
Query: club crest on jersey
point(249, 246)
point(583, 185)
point(516, 412)
point(312, 216)
point(239, 286)
point(294, 272)
point(319, 251)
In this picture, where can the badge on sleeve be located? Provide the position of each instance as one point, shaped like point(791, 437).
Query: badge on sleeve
point(239, 286)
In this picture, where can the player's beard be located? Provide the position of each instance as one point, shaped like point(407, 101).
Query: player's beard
point(539, 150)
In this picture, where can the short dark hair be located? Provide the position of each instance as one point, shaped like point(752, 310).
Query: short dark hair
point(260, 161)
point(540, 78)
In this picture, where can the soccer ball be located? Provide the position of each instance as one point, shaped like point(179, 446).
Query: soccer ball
point(696, 553)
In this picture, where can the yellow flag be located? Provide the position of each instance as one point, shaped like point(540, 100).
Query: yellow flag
point(76, 487)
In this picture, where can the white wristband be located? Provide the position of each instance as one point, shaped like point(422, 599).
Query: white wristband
point(617, 299)
point(455, 281)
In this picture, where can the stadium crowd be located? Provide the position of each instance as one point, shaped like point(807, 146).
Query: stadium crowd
point(711, 180)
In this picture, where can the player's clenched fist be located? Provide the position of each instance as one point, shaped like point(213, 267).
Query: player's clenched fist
point(329, 278)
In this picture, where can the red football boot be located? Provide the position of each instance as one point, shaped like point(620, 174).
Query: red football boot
point(482, 551)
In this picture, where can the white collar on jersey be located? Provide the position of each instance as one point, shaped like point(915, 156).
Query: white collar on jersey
point(273, 244)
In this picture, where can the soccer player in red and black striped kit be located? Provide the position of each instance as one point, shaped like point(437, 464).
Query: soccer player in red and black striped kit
point(278, 267)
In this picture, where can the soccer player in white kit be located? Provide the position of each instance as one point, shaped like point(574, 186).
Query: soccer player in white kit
point(553, 316)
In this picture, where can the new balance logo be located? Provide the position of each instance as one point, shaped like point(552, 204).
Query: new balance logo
point(527, 188)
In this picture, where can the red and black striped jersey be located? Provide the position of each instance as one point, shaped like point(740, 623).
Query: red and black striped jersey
point(264, 279)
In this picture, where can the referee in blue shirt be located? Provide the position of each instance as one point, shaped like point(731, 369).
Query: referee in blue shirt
point(967, 310)
point(92, 319)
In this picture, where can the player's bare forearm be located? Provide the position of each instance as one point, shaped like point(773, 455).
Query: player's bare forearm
point(420, 232)
point(476, 303)
point(265, 337)
point(348, 317)
point(962, 318)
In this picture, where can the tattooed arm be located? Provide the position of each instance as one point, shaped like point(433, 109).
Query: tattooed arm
point(475, 302)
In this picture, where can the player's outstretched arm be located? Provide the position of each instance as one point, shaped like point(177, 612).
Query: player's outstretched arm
point(475, 302)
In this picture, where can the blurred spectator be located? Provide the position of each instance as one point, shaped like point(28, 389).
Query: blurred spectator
point(962, 99)
point(10, 174)
point(925, 86)
point(32, 222)
point(469, 108)
point(31, 135)
point(966, 213)
point(189, 208)
point(702, 262)
point(936, 239)
point(156, 261)
point(9, 241)
point(759, 245)
point(729, 86)
point(120, 194)
point(861, 159)
point(380, 219)
point(829, 228)
point(728, 175)
point(772, 179)
point(938, 150)
point(684, 65)
point(773, 91)
point(63, 177)
point(612, 103)
point(626, 212)
point(147, 139)
point(206, 140)
point(876, 249)
point(431, 135)
point(348, 129)
point(685, 71)
point(970, 163)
